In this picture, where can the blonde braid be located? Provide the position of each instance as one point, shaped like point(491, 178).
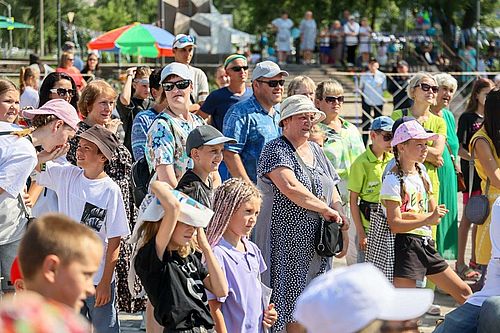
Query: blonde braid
point(424, 180)
point(227, 199)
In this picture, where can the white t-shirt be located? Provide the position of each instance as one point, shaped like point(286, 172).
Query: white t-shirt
point(17, 160)
point(200, 84)
point(492, 282)
point(416, 198)
point(29, 98)
point(350, 28)
point(97, 203)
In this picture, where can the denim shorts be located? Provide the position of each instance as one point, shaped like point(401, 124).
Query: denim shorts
point(104, 318)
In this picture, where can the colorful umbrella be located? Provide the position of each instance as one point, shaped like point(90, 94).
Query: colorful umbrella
point(136, 39)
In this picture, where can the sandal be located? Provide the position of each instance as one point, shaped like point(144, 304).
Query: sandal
point(466, 273)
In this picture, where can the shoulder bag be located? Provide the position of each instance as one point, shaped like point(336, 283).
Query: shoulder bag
point(328, 240)
point(478, 206)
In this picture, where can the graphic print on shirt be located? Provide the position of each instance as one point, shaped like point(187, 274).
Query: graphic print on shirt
point(414, 202)
point(93, 216)
point(195, 287)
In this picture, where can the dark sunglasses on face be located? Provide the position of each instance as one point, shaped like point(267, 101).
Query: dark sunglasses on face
point(273, 83)
point(332, 99)
point(63, 92)
point(183, 84)
point(386, 136)
point(238, 68)
point(426, 87)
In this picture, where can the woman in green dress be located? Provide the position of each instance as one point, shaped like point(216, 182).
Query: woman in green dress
point(447, 230)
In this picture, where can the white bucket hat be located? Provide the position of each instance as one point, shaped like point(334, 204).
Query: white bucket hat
point(297, 104)
point(192, 212)
point(347, 299)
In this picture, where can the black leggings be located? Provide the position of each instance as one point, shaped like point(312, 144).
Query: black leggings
point(377, 112)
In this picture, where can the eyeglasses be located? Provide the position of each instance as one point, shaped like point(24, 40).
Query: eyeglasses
point(238, 68)
point(182, 84)
point(426, 87)
point(185, 39)
point(386, 136)
point(332, 99)
point(273, 83)
point(63, 92)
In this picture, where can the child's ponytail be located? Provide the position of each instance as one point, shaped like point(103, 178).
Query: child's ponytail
point(400, 174)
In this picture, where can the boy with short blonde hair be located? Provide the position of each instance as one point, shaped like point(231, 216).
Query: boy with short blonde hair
point(58, 258)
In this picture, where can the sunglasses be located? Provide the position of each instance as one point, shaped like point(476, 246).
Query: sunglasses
point(63, 92)
point(333, 99)
point(182, 84)
point(185, 39)
point(238, 68)
point(273, 83)
point(142, 81)
point(386, 136)
point(426, 87)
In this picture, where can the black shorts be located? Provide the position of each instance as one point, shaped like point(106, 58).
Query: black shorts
point(416, 257)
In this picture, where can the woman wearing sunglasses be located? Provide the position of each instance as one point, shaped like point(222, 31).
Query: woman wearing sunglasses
point(58, 86)
point(343, 145)
point(166, 141)
point(447, 230)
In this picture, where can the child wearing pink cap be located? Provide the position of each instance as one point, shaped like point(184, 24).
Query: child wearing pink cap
point(406, 195)
point(51, 127)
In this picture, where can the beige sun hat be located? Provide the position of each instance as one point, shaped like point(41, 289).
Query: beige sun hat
point(298, 104)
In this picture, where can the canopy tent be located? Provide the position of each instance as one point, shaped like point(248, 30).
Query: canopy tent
point(6, 23)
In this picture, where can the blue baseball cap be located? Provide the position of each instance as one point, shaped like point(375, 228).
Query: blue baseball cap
point(382, 123)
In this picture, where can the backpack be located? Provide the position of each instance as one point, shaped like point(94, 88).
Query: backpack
point(141, 176)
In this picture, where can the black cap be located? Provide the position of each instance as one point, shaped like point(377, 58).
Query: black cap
point(105, 140)
point(205, 135)
point(400, 121)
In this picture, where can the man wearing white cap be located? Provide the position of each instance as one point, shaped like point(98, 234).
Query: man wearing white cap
point(254, 122)
point(359, 298)
point(183, 48)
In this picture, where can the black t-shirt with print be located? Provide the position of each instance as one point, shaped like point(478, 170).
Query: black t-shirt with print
point(193, 186)
point(175, 288)
point(468, 124)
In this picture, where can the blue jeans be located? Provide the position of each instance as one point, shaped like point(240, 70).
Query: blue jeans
point(463, 319)
point(489, 317)
point(104, 318)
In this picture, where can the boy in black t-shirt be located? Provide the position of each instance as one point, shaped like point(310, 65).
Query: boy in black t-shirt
point(204, 145)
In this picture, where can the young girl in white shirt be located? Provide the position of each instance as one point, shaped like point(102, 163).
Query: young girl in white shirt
point(410, 208)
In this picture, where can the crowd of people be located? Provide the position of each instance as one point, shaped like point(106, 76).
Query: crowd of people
point(238, 183)
point(343, 42)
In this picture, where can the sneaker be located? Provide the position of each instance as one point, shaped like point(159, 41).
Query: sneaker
point(434, 310)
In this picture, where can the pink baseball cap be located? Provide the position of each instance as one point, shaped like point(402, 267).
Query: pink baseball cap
point(59, 108)
point(411, 130)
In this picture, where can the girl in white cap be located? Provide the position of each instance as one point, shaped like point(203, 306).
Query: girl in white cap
point(411, 210)
point(172, 275)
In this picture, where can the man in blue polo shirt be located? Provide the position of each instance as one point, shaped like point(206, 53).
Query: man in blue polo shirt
point(254, 122)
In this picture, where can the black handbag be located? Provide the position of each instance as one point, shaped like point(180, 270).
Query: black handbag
point(477, 209)
point(328, 239)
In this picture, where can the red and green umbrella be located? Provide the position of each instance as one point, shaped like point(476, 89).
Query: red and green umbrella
point(136, 39)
